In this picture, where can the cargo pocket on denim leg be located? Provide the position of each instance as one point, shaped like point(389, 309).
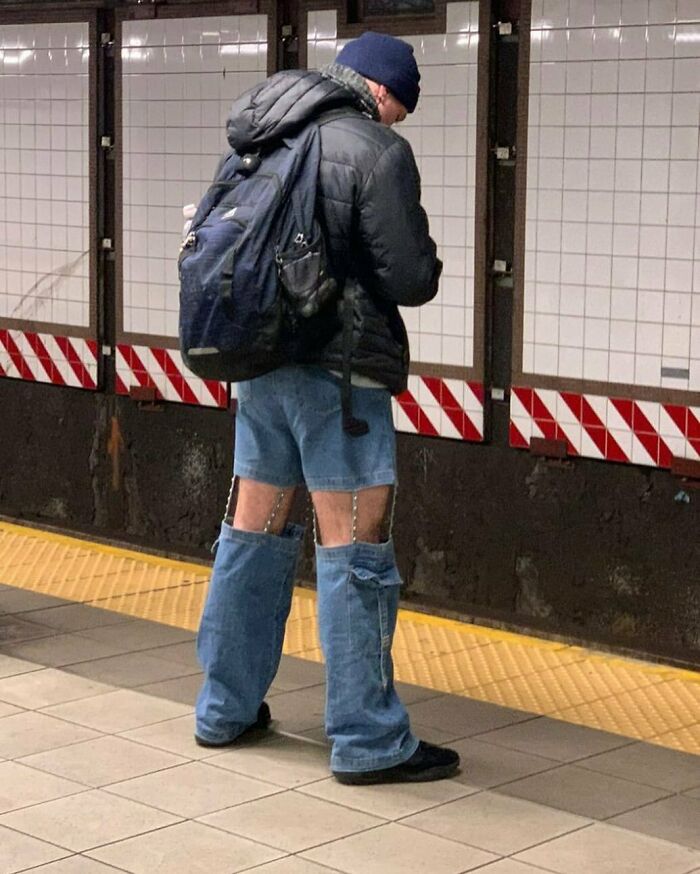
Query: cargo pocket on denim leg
point(372, 598)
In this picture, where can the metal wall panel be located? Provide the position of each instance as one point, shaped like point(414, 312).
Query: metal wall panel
point(607, 336)
point(612, 256)
point(178, 77)
point(47, 308)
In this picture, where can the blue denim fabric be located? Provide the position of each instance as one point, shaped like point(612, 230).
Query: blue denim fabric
point(358, 600)
point(289, 431)
point(241, 632)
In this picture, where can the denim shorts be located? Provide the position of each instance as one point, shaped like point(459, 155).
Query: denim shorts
point(289, 431)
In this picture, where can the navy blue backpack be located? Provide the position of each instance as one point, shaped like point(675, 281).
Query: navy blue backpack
point(253, 263)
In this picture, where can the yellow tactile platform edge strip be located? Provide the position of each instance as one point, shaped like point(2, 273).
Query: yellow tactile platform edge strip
point(654, 703)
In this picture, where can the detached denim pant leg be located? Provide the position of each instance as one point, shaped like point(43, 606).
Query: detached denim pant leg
point(240, 637)
point(358, 597)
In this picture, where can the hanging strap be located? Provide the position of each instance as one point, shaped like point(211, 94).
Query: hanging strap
point(352, 426)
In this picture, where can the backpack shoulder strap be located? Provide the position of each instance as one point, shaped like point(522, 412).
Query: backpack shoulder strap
point(352, 426)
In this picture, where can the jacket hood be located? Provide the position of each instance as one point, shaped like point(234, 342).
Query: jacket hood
point(281, 105)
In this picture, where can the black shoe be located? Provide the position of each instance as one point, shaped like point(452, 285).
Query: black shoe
point(261, 723)
point(427, 763)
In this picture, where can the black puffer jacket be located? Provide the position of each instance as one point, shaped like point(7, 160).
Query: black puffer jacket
point(369, 207)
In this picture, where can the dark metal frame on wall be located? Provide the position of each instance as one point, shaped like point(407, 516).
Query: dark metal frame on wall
point(557, 383)
point(502, 34)
point(351, 26)
point(367, 10)
point(17, 14)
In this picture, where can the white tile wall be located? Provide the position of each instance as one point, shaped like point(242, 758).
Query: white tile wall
point(612, 266)
point(44, 185)
point(442, 132)
point(179, 79)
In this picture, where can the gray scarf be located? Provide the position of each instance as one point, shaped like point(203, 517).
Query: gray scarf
point(350, 79)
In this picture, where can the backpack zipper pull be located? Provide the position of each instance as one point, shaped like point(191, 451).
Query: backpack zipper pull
point(250, 163)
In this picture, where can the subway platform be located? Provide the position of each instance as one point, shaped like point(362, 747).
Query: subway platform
point(574, 761)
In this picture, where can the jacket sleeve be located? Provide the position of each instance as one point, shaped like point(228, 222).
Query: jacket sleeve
point(402, 262)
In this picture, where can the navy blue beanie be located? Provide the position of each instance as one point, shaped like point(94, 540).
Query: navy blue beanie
point(386, 60)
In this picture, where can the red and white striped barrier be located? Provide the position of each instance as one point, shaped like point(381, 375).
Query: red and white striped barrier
point(430, 406)
point(613, 429)
point(441, 408)
point(163, 370)
point(70, 361)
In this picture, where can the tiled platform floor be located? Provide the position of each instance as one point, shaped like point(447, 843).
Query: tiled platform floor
point(99, 773)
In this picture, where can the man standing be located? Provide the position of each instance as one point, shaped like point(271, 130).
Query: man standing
point(289, 430)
